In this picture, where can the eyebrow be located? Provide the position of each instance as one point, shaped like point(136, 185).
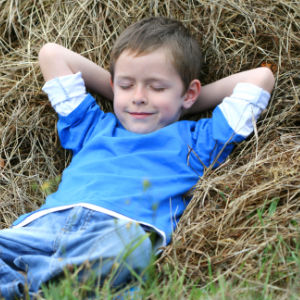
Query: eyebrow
point(150, 79)
point(124, 77)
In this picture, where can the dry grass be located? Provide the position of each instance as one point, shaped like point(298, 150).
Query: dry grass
point(244, 218)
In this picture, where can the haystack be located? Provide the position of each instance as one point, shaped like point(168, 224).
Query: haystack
point(244, 220)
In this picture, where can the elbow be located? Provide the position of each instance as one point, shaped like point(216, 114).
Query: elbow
point(47, 52)
point(50, 61)
point(267, 79)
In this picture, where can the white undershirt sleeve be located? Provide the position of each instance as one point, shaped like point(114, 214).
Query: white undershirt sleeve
point(244, 106)
point(66, 92)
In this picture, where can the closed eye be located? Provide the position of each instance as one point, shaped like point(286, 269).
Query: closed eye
point(158, 88)
point(125, 86)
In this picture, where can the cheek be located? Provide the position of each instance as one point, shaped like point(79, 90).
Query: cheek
point(169, 111)
point(119, 100)
point(117, 105)
point(122, 96)
point(169, 104)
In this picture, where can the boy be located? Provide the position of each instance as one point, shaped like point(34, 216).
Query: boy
point(129, 169)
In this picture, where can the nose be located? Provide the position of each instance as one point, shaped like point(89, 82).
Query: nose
point(139, 96)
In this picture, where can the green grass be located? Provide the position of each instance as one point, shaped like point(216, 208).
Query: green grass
point(172, 283)
point(172, 286)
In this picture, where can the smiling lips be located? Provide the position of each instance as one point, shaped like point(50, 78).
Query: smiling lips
point(140, 115)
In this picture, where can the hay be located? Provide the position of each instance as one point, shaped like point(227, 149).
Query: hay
point(240, 214)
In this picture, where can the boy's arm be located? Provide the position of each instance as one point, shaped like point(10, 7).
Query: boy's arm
point(212, 94)
point(56, 61)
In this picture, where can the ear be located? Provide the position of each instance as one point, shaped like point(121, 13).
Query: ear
point(192, 93)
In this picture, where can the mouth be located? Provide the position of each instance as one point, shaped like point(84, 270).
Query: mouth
point(140, 115)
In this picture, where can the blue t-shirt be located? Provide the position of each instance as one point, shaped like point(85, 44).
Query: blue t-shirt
point(142, 177)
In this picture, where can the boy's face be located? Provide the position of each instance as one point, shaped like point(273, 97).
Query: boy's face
point(148, 91)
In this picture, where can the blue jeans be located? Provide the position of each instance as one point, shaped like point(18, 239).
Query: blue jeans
point(78, 236)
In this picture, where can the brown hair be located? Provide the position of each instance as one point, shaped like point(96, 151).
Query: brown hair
point(152, 33)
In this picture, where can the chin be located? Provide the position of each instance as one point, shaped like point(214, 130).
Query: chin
point(142, 130)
